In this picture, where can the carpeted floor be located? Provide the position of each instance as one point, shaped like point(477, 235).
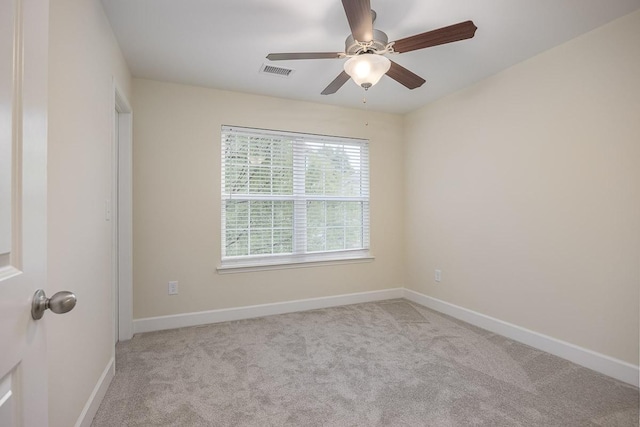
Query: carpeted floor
point(390, 363)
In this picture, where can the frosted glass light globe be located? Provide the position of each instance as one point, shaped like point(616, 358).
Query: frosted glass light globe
point(366, 69)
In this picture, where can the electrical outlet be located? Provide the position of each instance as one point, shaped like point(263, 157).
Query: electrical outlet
point(438, 275)
point(173, 288)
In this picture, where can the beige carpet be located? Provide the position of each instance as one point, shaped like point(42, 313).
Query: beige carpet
point(390, 363)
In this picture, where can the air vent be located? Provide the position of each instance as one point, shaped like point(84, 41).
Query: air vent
point(276, 71)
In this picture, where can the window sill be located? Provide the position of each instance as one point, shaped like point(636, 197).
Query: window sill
point(247, 266)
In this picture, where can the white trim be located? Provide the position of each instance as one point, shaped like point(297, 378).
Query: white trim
point(282, 263)
point(123, 217)
point(111, 209)
point(606, 365)
point(227, 314)
point(95, 399)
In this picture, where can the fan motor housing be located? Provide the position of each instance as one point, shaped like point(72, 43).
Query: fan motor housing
point(379, 43)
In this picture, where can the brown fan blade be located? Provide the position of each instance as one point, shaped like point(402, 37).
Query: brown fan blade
point(405, 77)
point(303, 55)
point(360, 19)
point(336, 84)
point(452, 33)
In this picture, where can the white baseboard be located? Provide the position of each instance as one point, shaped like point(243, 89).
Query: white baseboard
point(606, 365)
point(149, 324)
point(95, 399)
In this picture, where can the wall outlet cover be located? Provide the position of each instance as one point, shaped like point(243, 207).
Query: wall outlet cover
point(173, 288)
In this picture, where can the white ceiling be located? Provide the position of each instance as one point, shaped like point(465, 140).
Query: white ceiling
point(223, 43)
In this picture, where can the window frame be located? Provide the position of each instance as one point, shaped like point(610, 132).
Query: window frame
point(299, 257)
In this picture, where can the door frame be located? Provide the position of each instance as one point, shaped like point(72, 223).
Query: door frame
point(122, 217)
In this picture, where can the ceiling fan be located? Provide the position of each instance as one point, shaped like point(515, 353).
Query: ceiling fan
point(366, 47)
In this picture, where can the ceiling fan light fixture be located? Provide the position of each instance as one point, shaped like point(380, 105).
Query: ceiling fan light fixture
point(366, 69)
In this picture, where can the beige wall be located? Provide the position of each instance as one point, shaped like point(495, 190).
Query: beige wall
point(177, 199)
point(83, 58)
point(525, 190)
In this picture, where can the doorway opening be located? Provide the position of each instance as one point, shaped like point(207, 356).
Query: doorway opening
point(122, 219)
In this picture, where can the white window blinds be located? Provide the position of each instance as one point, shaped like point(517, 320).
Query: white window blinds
point(291, 197)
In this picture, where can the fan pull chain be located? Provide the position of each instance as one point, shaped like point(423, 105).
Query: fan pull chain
point(366, 110)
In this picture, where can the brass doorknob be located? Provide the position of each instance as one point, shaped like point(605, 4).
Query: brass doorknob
point(60, 302)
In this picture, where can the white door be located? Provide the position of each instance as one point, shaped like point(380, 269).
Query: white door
point(23, 217)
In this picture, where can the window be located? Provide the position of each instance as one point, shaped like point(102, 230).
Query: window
point(291, 198)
